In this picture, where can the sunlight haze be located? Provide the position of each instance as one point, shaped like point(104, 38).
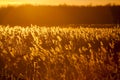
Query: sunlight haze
point(59, 2)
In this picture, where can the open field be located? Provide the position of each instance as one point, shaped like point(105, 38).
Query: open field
point(59, 53)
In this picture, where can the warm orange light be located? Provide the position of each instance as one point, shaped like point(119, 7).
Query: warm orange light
point(58, 2)
point(19, 2)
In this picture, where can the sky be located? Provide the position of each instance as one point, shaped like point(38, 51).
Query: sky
point(60, 2)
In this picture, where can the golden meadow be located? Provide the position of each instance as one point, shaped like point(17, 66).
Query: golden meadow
point(59, 53)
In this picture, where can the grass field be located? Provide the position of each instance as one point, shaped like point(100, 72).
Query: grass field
point(59, 53)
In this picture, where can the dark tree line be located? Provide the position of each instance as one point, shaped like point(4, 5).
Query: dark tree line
point(56, 15)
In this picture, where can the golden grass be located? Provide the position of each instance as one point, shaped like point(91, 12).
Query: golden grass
point(55, 53)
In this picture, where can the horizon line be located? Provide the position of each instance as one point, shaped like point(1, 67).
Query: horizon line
point(64, 4)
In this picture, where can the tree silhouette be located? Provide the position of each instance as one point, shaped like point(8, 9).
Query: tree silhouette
point(56, 15)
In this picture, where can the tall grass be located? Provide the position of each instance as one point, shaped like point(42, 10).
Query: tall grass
point(55, 53)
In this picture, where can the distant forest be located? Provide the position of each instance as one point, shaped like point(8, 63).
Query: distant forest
point(57, 15)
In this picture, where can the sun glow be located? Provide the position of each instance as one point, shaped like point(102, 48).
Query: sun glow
point(58, 2)
point(20, 2)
